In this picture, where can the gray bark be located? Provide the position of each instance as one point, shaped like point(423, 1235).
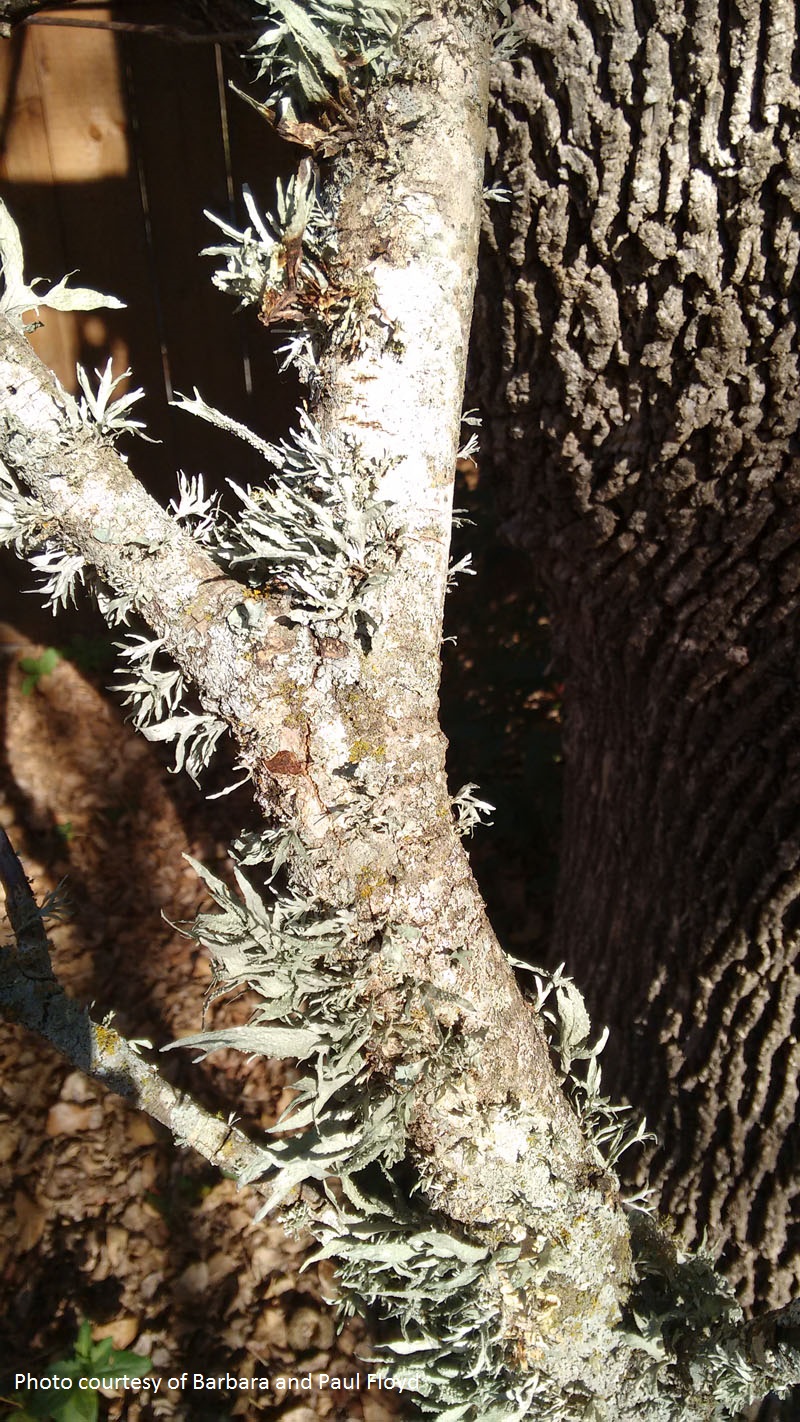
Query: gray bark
point(636, 354)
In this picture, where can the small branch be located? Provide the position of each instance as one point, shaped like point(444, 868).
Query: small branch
point(31, 995)
point(20, 14)
point(23, 913)
point(92, 501)
point(92, 505)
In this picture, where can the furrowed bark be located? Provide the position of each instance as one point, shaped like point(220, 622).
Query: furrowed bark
point(642, 387)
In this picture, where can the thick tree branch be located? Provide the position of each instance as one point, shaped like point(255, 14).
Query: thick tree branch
point(357, 764)
point(378, 710)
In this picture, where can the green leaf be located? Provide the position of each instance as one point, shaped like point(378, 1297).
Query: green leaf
point(37, 1405)
point(77, 1407)
point(74, 1367)
point(130, 1365)
point(100, 1353)
point(34, 668)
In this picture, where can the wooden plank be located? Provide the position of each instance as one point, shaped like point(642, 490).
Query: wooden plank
point(180, 149)
point(65, 123)
point(80, 131)
point(258, 158)
point(98, 130)
point(67, 177)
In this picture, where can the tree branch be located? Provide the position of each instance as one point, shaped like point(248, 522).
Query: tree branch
point(347, 748)
point(93, 505)
point(31, 995)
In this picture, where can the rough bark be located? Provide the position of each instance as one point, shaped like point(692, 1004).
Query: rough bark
point(636, 354)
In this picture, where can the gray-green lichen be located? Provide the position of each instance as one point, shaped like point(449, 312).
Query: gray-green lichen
point(315, 55)
point(503, 1319)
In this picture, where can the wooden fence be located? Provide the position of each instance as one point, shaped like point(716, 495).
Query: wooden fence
point(111, 146)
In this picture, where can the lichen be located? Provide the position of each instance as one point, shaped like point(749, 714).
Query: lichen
point(295, 698)
point(361, 748)
point(368, 881)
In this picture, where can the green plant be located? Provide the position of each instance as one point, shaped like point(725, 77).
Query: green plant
point(88, 1362)
point(34, 668)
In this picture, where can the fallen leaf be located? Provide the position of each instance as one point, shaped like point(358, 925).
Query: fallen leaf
point(140, 1130)
point(121, 1331)
point(76, 1087)
point(31, 1218)
point(67, 1119)
point(193, 1281)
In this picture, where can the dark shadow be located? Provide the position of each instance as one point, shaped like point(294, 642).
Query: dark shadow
point(500, 711)
point(112, 256)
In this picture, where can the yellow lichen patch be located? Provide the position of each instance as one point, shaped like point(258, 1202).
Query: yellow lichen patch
point(361, 748)
point(294, 698)
point(107, 1040)
point(368, 880)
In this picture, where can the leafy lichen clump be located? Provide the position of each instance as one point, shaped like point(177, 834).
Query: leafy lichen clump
point(316, 528)
point(314, 55)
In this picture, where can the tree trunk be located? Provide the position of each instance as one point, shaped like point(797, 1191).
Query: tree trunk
point(641, 393)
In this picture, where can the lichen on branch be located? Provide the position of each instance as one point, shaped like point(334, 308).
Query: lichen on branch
point(465, 1198)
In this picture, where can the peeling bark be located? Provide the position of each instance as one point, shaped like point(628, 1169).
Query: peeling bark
point(636, 353)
